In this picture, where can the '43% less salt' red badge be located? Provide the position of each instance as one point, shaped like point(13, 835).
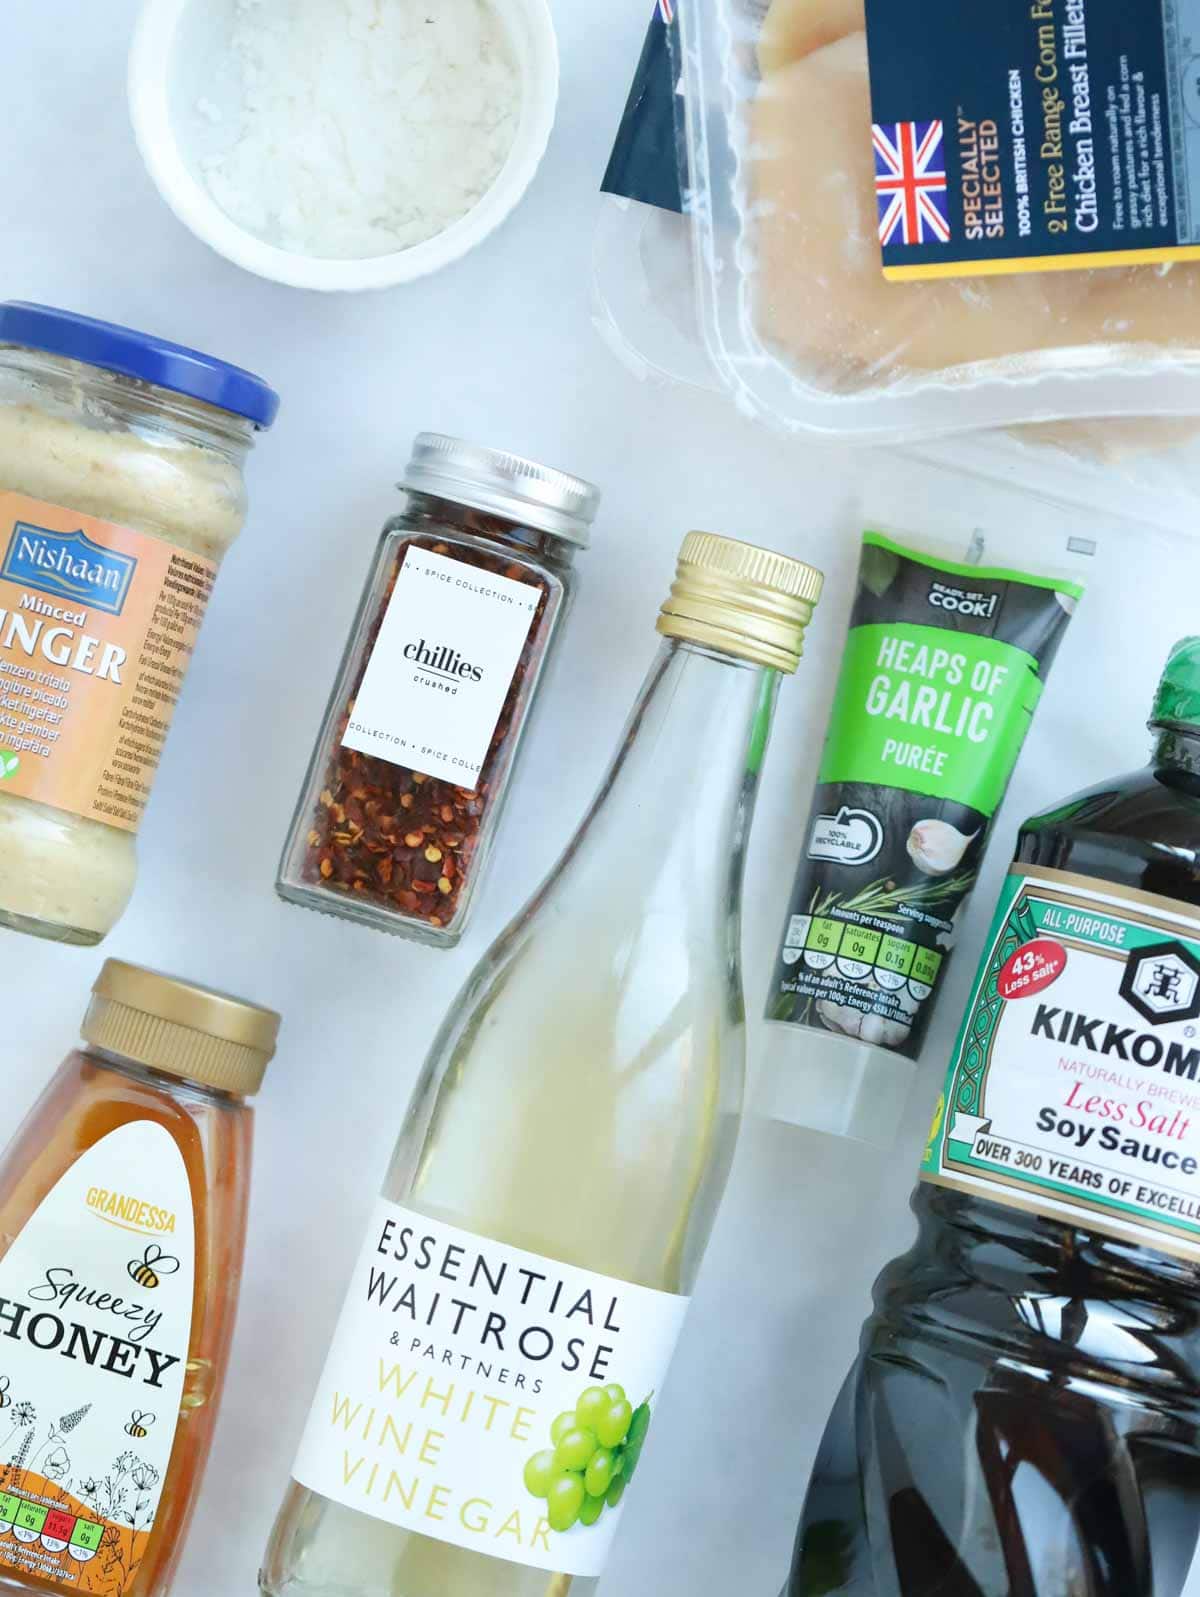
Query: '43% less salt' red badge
point(1032, 968)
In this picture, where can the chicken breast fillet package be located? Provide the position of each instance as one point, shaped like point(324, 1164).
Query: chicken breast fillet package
point(943, 260)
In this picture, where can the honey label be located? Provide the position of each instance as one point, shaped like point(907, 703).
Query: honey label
point(486, 1396)
point(97, 626)
point(1037, 136)
point(95, 1319)
point(1073, 1088)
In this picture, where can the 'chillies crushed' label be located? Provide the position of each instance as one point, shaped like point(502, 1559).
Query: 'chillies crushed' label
point(441, 666)
point(487, 1396)
point(1073, 1087)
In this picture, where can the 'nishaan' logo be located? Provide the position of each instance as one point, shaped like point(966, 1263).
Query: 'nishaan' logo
point(69, 565)
point(1162, 982)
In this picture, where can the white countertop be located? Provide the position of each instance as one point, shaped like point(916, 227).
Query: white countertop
point(500, 349)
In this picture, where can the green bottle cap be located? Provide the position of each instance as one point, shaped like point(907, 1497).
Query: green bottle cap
point(1177, 701)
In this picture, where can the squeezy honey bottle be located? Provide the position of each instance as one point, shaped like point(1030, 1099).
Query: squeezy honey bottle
point(122, 1218)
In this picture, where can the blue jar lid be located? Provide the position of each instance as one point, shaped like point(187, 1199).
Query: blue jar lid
point(132, 354)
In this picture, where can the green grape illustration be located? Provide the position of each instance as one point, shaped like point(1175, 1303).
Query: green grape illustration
point(594, 1450)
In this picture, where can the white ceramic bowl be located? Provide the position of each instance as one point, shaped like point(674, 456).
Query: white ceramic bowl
point(173, 45)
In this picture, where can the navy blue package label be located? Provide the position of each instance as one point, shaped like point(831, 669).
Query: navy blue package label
point(1035, 136)
point(648, 156)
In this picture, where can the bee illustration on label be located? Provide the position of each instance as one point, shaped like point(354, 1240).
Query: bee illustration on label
point(5, 1400)
point(139, 1422)
point(152, 1266)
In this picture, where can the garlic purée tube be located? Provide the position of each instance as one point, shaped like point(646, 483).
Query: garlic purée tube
point(105, 457)
point(943, 668)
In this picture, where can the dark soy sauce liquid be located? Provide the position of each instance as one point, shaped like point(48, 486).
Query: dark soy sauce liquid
point(1023, 1419)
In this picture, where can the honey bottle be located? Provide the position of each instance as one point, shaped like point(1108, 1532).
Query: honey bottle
point(122, 1219)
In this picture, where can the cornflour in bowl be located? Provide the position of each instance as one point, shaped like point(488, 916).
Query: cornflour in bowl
point(349, 129)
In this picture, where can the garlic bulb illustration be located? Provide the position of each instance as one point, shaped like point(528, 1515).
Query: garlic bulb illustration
point(936, 847)
point(840, 1017)
point(890, 1033)
point(888, 1030)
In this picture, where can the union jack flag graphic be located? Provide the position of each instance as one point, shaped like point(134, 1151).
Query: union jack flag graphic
point(910, 182)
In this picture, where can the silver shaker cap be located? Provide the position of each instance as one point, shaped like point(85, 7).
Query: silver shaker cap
point(504, 485)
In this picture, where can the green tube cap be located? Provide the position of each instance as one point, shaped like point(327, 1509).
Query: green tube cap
point(1177, 701)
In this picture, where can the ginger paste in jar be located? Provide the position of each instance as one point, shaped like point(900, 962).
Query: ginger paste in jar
point(121, 489)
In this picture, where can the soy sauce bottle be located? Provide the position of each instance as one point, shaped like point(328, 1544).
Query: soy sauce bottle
point(1022, 1419)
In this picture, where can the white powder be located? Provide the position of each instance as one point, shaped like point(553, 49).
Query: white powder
point(352, 128)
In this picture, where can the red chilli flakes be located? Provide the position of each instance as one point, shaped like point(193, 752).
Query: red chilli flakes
point(398, 838)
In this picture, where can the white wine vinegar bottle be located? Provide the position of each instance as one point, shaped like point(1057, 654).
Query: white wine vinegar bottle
point(494, 1372)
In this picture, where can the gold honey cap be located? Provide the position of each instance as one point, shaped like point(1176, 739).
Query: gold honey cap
point(181, 1028)
point(741, 599)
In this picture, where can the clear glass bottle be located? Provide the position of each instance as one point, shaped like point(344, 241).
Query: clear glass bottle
point(572, 1130)
point(461, 611)
point(122, 1220)
point(121, 491)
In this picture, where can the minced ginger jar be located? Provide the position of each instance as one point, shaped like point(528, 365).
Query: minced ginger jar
point(121, 489)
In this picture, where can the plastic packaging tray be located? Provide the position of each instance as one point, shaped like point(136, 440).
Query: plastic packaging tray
point(644, 305)
point(869, 394)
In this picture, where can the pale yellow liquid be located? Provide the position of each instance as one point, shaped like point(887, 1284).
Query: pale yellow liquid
point(587, 1109)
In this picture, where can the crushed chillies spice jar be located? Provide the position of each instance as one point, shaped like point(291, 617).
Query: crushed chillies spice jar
point(463, 603)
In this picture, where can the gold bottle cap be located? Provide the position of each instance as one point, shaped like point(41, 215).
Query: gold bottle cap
point(178, 1027)
point(741, 599)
